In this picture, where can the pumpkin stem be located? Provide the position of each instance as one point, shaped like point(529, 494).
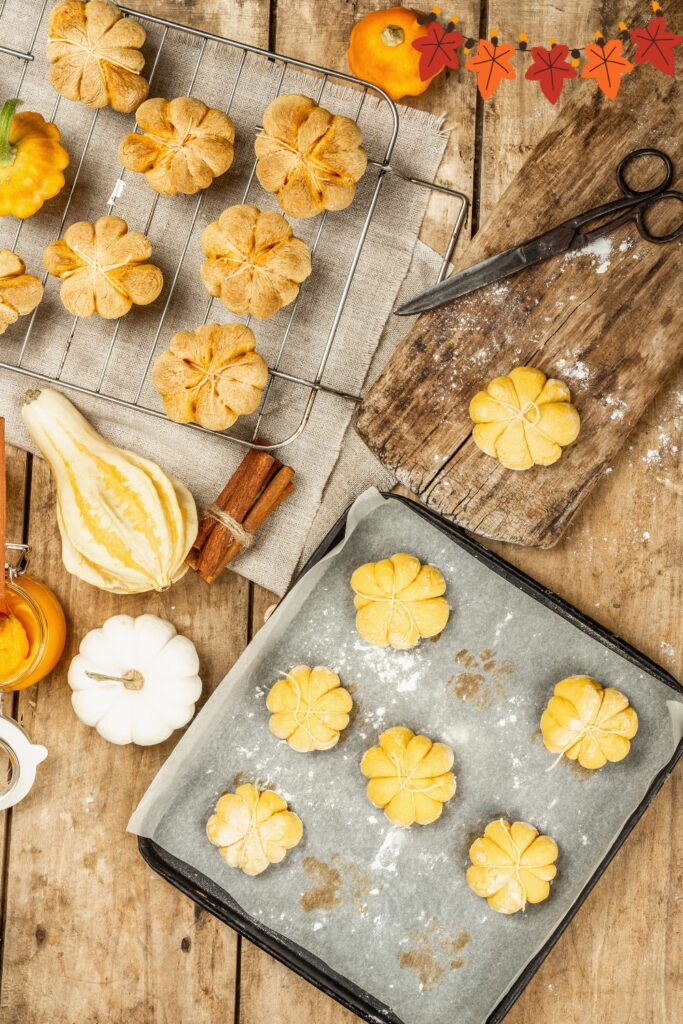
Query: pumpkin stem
point(7, 151)
point(393, 35)
point(132, 679)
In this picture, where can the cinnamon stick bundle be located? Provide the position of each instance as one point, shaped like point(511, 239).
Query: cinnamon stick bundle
point(259, 484)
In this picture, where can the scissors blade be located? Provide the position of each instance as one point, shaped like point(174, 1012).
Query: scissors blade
point(493, 269)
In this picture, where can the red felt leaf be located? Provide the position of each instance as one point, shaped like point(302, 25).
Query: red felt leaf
point(655, 44)
point(491, 64)
point(550, 69)
point(605, 64)
point(438, 49)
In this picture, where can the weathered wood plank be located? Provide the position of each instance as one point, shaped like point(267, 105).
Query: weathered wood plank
point(17, 467)
point(594, 330)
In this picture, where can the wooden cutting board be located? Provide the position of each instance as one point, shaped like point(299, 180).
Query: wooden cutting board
point(608, 322)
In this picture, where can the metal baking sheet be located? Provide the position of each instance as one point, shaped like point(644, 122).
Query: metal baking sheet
point(385, 909)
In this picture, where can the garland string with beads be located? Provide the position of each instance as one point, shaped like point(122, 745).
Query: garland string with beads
point(551, 66)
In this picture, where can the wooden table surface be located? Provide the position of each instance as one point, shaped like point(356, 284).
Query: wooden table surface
point(89, 933)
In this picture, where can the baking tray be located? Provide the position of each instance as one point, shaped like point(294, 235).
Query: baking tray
point(210, 895)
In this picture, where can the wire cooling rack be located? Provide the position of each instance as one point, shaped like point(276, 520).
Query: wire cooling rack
point(163, 35)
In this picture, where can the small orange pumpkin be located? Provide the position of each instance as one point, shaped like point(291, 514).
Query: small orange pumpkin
point(381, 51)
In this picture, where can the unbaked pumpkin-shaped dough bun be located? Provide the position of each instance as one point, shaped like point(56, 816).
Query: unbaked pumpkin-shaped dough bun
point(410, 776)
point(399, 601)
point(253, 829)
point(524, 419)
point(586, 722)
point(512, 865)
point(310, 708)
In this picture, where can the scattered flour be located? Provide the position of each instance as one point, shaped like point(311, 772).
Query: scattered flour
point(617, 405)
point(599, 251)
point(388, 853)
point(574, 371)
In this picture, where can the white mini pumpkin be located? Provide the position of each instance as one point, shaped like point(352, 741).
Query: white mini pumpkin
point(135, 680)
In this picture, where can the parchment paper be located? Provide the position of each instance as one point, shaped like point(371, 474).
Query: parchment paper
point(389, 908)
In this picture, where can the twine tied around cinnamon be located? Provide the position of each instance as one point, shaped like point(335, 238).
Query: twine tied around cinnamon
point(243, 537)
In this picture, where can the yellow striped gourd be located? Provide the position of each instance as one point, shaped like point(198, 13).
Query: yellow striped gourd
point(126, 526)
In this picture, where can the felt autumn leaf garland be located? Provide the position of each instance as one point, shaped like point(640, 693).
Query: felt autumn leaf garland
point(551, 67)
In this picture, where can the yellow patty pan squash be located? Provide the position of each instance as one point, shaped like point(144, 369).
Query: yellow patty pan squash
point(309, 708)
point(20, 292)
point(32, 161)
point(588, 723)
point(181, 145)
point(399, 601)
point(95, 55)
point(125, 525)
point(410, 776)
point(512, 865)
point(524, 419)
point(103, 268)
point(253, 829)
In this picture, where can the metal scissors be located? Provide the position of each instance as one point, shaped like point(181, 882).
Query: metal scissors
point(632, 206)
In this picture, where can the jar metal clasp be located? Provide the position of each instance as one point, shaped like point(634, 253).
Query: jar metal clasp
point(16, 560)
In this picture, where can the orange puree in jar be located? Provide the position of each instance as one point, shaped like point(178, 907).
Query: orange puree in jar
point(32, 637)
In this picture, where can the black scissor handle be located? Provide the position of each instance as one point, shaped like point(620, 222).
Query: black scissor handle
point(632, 158)
point(649, 204)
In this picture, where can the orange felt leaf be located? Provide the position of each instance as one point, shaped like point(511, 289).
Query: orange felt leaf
point(491, 64)
point(605, 64)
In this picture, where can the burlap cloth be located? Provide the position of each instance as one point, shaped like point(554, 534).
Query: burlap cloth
point(332, 465)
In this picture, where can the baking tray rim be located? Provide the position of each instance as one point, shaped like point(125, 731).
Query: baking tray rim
point(301, 960)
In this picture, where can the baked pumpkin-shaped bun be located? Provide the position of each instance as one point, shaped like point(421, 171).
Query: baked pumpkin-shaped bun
point(588, 723)
point(311, 159)
point(410, 776)
point(20, 292)
point(211, 375)
point(399, 601)
point(524, 419)
point(309, 708)
point(95, 56)
point(103, 268)
point(253, 829)
point(182, 145)
point(512, 865)
point(253, 261)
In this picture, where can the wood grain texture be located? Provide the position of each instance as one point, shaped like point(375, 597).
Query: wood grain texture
point(611, 326)
point(619, 962)
point(16, 481)
point(92, 934)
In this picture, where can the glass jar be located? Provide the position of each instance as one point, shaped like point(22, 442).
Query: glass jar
point(41, 618)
